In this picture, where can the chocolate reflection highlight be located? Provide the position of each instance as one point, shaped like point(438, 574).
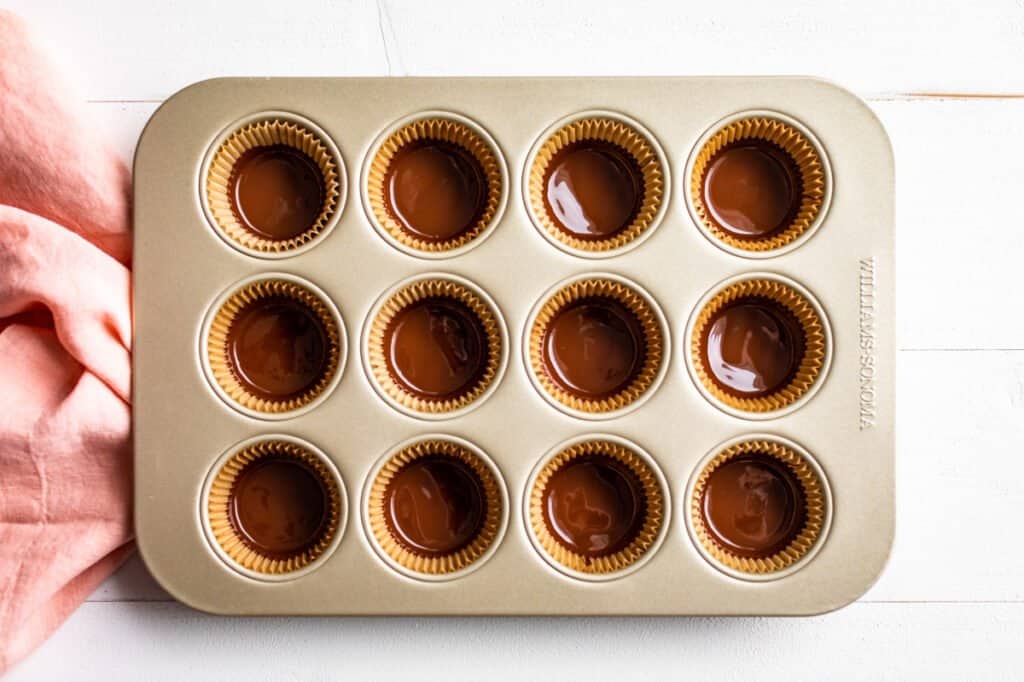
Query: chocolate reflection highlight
point(274, 346)
point(435, 185)
point(752, 189)
point(594, 190)
point(277, 192)
point(596, 507)
point(434, 507)
point(277, 347)
point(596, 184)
point(436, 190)
point(434, 346)
point(753, 347)
point(274, 507)
point(757, 507)
point(757, 184)
point(757, 346)
point(273, 186)
point(596, 345)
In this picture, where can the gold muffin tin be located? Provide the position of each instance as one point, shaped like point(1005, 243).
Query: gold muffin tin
point(192, 432)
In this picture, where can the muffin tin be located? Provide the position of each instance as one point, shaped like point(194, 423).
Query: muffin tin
point(513, 346)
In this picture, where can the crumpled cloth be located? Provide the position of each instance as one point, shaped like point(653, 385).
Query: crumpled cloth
point(65, 350)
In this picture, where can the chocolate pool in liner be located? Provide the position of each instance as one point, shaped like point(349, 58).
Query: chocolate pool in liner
point(435, 507)
point(596, 507)
point(757, 346)
point(758, 183)
point(274, 186)
point(596, 345)
point(274, 346)
point(435, 185)
point(274, 507)
point(758, 507)
point(435, 346)
point(596, 184)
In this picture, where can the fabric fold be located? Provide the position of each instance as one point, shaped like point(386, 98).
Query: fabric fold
point(65, 350)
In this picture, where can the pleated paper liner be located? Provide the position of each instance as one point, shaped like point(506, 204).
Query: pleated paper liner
point(815, 509)
point(234, 544)
point(797, 146)
point(438, 129)
point(632, 142)
point(654, 347)
point(219, 356)
point(266, 133)
point(444, 564)
point(406, 296)
point(646, 535)
point(811, 364)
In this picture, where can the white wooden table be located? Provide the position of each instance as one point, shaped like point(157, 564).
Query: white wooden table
point(946, 78)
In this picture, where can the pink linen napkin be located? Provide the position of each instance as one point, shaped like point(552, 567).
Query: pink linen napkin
point(65, 344)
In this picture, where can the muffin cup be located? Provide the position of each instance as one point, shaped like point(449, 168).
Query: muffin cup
point(799, 144)
point(216, 354)
point(264, 131)
point(460, 562)
point(418, 289)
point(628, 136)
point(648, 536)
point(229, 542)
point(656, 341)
point(441, 127)
point(817, 510)
point(813, 365)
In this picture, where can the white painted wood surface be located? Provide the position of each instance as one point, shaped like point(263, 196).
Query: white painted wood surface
point(950, 604)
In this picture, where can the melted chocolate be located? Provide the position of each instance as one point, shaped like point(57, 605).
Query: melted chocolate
point(753, 347)
point(279, 506)
point(435, 505)
point(594, 347)
point(436, 190)
point(752, 189)
point(277, 347)
point(436, 348)
point(594, 505)
point(753, 505)
point(276, 192)
point(594, 189)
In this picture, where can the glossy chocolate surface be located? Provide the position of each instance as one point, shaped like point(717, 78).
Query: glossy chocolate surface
point(436, 190)
point(279, 506)
point(593, 189)
point(753, 505)
point(594, 347)
point(435, 505)
point(753, 347)
point(436, 348)
point(276, 192)
point(277, 347)
point(594, 505)
point(752, 189)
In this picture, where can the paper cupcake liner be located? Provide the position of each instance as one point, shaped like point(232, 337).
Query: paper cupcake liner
point(646, 535)
point(615, 132)
point(264, 134)
point(814, 508)
point(654, 343)
point(443, 130)
point(218, 505)
point(218, 353)
point(814, 344)
point(406, 296)
point(797, 146)
point(449, 563)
